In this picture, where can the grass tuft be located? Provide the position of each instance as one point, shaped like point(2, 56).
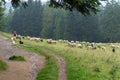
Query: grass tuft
point(96, 69)
point(17, 58)
point(3, 65)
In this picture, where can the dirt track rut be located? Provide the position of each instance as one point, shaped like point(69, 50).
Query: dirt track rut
point(62, 64)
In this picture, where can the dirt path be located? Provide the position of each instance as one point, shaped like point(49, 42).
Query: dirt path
point(19, 70)
point(62, 65)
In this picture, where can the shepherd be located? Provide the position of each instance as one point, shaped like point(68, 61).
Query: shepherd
point(14, 33)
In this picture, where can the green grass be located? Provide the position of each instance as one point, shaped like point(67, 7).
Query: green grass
point(17, 58)
point(3, 65)
point(6, 34)
point(83, 64)
point(86, 64)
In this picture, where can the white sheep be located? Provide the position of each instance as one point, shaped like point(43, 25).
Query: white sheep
point(71, 44)
point(72, 41)
point(103, 48)
point(50, 41)
point(79, 45)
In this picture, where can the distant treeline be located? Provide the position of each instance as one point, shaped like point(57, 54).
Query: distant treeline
point(46, 22)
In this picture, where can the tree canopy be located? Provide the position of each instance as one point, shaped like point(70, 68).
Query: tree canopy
point(83, 6)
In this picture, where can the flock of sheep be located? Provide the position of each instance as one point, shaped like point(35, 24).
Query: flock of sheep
point(76, 44)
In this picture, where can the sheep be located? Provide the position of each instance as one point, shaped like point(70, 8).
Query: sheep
point(71, 44)
point(79, 46)
point(50, 41)
point(77, 42)
point(72, 41)
point(89, 47)
point(35, 39)
point(41, 40)
point(113, 50)
point(13, 40)
point(18, 37)
point(53, 42)
point(20, 42)
point(113, 46)
point(60, 40)
point(103, 48)
point(28, 37)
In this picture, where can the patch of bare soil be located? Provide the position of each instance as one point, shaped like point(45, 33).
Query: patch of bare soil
point(19, 70)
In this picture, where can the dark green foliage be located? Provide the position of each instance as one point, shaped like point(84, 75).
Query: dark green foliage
point(69, 25)
point(3, 65)
point(81, 28)
point(110, 18)
point(55, 23)
point(6, 19)
point(1, 15)
point(17, 58)
point(28, 21)
point(83, 6)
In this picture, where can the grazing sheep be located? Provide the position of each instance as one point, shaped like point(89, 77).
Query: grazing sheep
point(113, 50)
point(113, 46)
point(60, 40)
point(118, 46)
point(94, 47)
point(72, 41)
point(92, 44)
point(41, 40)
point(13, 38)
point(77, 42)
point(53, 42)
point(89, 47)
point(23, 37)
point(28, 37)
point(79, 46)
point(103, 48)
point(35, 39)
point(20, 42)
point(98, 45)
point(50, 41)
point(18, 37)
point(71, 44)
point(13, 42)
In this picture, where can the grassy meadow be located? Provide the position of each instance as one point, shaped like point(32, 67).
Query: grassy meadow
point(82, 63)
